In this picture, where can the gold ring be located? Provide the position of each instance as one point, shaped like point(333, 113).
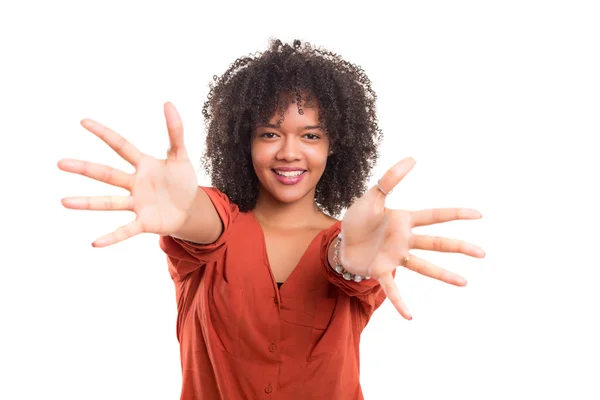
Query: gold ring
point(381, 189)
point(405, 261)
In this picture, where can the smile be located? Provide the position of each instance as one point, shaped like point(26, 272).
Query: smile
point(289, 174)
point(289, 177)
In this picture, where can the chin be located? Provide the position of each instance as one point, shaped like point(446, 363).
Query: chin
point(289, 196)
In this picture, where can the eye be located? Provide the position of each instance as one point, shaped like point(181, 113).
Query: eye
point(268, 135)
point(312, 136)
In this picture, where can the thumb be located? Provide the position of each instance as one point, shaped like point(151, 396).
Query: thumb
point(395, 174)
point(175, 127)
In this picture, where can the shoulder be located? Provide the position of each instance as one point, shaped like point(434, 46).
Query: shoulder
point(219, 198)
point(213, 191)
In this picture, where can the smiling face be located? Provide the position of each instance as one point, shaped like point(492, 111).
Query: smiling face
point(289, 159)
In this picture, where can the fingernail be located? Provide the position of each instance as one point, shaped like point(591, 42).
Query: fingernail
point(479, 251)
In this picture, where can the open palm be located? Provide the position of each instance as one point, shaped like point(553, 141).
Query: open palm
point(161, 191)
point(376, 239)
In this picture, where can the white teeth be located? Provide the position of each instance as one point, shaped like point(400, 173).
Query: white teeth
point(289, 174)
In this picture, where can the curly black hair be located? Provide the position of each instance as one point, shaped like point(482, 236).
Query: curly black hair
point(257, 86)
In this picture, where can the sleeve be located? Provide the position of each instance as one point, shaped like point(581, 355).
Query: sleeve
point(368, 292)
point(185, 257)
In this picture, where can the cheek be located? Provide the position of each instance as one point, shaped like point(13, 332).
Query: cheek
point(260, 155)
point(318, 156)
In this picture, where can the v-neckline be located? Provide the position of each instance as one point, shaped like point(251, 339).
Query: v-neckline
point(266, 254)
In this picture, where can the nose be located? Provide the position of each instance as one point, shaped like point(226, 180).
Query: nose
point(289, 150)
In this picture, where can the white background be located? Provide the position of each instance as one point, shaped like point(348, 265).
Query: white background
point(497, 101)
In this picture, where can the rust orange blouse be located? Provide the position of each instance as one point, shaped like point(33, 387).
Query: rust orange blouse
point(243, 338)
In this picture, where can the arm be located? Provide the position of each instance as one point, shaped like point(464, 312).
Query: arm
point(377, 239)
point(350, 287)
point(204, 235)
point(203, 224)
point(331, 253)
point(164, 194)
point(369, 293)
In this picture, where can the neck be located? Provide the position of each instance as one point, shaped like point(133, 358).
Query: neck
point(271, 212)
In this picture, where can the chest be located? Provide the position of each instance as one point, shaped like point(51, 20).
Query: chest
point(286, 249)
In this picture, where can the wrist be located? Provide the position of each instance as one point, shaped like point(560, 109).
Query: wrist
point(334, 256)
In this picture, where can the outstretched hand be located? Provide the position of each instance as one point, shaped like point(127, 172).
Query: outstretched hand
point(376, 239)
point(161, 191)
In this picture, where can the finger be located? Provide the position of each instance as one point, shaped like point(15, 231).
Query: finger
point(391, 290)
point(175, 128)
point(99, 203)
point(117, 142)
point(426, 268)
point(394, 175)
point(125, 232)
point(439, 215)
point(446, 245)
point(99, 172)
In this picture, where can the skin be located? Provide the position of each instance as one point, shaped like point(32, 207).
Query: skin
point(376, 239)
point(163, 193)
point(296, 142)
point(166, 200)
point(288, 215)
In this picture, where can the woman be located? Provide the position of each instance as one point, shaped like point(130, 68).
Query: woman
point(272, 291)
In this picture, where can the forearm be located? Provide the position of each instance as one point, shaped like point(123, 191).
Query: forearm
point(331, 253)
point(203, 224)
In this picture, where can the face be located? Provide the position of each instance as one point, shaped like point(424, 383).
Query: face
point(290, 159)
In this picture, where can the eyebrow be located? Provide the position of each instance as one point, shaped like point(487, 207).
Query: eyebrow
point(277, 127)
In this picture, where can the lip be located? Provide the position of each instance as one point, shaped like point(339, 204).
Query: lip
point(287, 169)
point(289, 180)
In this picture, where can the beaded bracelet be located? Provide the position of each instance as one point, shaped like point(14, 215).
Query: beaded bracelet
point(339, 268)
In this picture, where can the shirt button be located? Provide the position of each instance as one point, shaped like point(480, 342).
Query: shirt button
point(268, 389)
point(275, 300)
point(272, 347)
